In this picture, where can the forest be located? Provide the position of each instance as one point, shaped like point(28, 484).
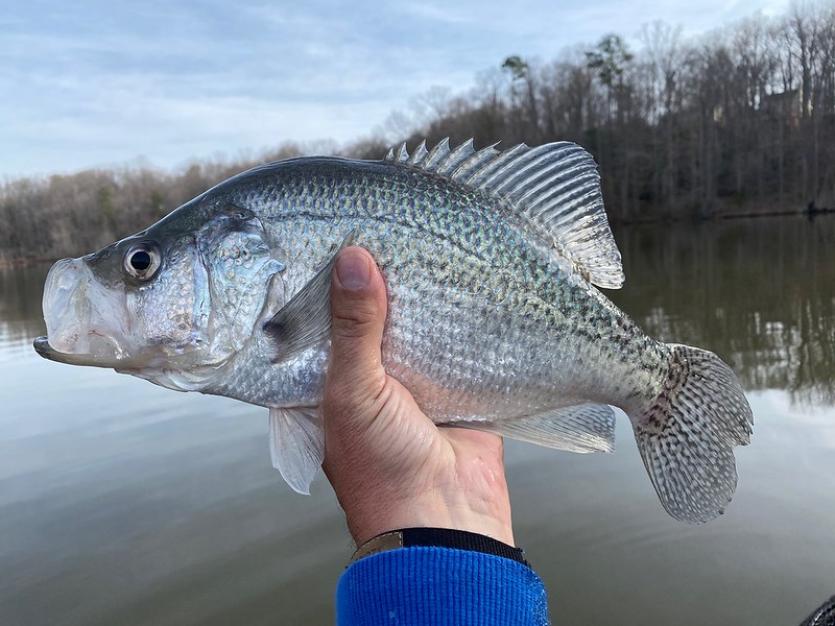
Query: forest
point(738, 121)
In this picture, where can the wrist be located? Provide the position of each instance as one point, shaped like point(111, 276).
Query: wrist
point(485, 516)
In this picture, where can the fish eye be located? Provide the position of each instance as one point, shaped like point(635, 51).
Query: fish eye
point(142, 261)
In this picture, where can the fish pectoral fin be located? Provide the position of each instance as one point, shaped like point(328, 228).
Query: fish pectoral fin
point(306, 318)
point(297, 445)
point(581, 428)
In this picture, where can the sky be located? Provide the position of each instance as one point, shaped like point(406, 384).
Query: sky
point(109, 83)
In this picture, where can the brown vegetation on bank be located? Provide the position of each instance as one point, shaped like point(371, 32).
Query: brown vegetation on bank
point(740, 121)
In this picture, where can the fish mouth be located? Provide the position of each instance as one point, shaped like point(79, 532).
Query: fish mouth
point(42, 347)
point(86, 320)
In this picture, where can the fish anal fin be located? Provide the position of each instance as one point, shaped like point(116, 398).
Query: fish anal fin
point(297, 445)
point(581, 428)
point(554, 188)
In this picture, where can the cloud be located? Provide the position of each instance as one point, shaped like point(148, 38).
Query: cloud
point(100, 82)
point(434, 12)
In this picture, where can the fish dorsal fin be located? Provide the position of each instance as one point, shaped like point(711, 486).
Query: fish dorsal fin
point(554, 187)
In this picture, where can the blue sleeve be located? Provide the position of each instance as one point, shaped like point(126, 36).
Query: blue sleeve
point(425, 586)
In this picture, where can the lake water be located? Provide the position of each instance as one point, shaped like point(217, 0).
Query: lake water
point(124, 503)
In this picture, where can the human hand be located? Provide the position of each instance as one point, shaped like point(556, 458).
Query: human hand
point(389, 465)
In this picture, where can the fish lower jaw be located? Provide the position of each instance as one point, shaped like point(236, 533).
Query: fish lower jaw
point(47, 351)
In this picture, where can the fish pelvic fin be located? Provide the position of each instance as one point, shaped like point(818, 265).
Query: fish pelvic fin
point(687, 435)
point(297, 445)
point(582, 428)
point(554, 188)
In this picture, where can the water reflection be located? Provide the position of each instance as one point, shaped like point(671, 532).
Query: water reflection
point(761, 293)
point(20, 303)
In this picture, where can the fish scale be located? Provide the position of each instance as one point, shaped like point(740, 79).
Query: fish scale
point(492, 262)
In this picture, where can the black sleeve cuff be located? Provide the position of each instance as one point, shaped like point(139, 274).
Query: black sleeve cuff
point(440, 538)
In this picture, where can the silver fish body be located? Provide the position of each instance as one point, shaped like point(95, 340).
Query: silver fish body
point(483, 324)
point(494, 322)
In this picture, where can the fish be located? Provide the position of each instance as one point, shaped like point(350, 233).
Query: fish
point(494, 262)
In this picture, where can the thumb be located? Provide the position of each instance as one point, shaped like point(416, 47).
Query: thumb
point(358, 309)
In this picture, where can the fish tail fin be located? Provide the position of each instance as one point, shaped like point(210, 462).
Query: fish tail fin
point(687, 435)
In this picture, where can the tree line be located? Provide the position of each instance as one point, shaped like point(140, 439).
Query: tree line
point(741, 120)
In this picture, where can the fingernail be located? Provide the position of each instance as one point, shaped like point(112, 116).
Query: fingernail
point(353, 270)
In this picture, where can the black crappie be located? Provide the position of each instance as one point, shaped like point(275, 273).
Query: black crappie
point(494, 323)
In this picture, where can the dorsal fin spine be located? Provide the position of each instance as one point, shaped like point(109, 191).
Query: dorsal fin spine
point(402, 153)
point(436, 154)
point(419, 153)
point(451, 161)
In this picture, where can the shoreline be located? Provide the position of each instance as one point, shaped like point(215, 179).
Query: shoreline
point(811, 212)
